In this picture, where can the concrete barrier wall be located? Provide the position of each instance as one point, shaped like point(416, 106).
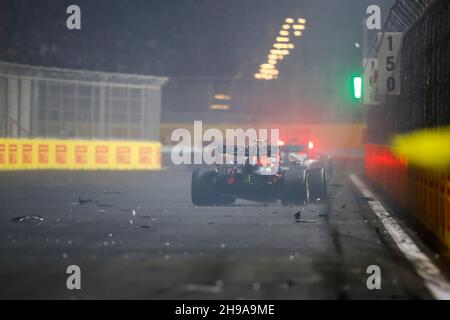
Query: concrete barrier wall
point(49, 154)
point(423, 192)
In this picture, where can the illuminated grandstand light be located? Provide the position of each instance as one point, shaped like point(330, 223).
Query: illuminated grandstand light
point(298, 27)
point(282, 39)
point(281, 47)
point(266, 77)
point(273, 72)
point(221, 96)
point(283, 52)
point(279, 52)
point(289, 20)
point(219, 107)
point(267, 66)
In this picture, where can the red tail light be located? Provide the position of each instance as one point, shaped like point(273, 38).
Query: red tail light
point(310, 145)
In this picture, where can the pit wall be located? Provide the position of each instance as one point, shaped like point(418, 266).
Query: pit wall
point(423, 192)
point(47, 154)
point(337, 140)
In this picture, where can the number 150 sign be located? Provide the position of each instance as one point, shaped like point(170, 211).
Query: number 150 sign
point(389, 63)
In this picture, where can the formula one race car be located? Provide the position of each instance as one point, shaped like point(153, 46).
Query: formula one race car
point(279, 173)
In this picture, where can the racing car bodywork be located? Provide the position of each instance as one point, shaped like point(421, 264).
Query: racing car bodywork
point(283, 173)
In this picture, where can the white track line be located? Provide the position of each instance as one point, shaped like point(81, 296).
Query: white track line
point(436, 283)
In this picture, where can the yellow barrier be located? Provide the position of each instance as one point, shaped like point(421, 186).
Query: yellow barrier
point(423, 192)
point(40, 154)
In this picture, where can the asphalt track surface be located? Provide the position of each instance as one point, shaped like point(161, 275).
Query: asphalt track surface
point(141, 238)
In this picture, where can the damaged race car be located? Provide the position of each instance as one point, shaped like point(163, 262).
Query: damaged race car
point(265, 174)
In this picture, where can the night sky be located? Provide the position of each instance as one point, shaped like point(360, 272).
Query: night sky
point(203, 38)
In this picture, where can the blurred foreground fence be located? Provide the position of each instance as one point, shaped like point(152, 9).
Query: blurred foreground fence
point(424, 102)
point(425, 71)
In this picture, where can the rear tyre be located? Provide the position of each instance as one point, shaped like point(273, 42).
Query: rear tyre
point(203, 187)
point(226, 200)
point(294, 189)
point(317, 181)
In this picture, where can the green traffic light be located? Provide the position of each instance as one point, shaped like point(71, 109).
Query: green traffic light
point(357, 87)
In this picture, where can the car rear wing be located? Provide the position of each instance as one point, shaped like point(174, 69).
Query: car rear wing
point(252, 150)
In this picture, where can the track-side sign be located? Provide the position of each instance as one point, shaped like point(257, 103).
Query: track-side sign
point(389, 63)
point(370, 81)
point(53, 154)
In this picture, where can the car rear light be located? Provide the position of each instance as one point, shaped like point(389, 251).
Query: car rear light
point(281, 143)
point(310, 145)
